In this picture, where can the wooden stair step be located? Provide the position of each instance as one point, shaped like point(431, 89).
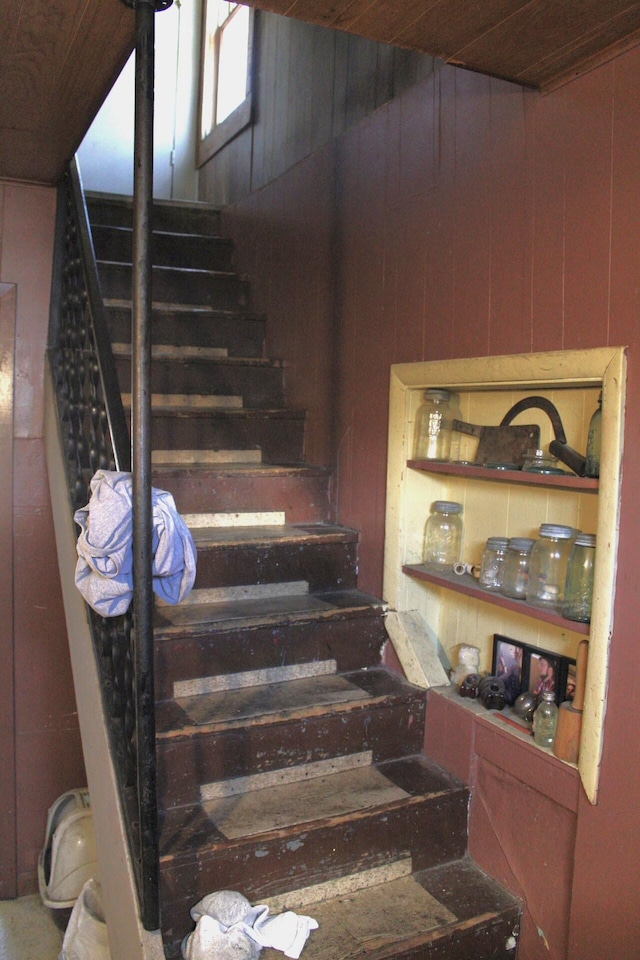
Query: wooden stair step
point(247, 731)
point(239, 332)
point(452, 912)
point(168, 248)
point(177, 215)
point(223, 289)
point(345, 626)
point(322, 554)
point(278, 434)
point(257, 379)
point(301, 490)
point(170, 352)
point(426, 818)
point(189, 401)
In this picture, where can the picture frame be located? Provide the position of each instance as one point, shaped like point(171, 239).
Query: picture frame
point(508, 664)
point(570, 680)
point(544, 671)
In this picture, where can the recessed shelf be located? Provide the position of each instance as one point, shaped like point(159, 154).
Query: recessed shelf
point(467, 585)
point(471, 471)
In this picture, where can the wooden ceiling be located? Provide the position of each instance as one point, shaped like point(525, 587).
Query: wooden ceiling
point(538, 43)
point(58, 61)
point(59, 58)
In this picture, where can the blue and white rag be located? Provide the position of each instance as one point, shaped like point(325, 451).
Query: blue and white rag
point(104, 571)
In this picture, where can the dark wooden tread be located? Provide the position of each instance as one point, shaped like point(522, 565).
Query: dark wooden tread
point(276, 702)
point(424, 816)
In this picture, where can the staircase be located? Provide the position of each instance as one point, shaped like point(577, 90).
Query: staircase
point(290, 764)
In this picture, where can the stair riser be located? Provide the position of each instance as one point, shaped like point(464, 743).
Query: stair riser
point(304, 498)
point(177, 286)
point(259, 386)
point(280, 440)
point(353, 643)
point(486, 940)
point(324, 566)
point(243, 337)
point(433, 830)
point(167, 250)
point(392, 729)
point(181, 219)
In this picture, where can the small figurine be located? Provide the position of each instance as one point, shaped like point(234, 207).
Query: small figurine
point(468, 662)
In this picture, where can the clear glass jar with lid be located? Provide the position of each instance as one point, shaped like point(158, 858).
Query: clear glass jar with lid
point(548, 566)
point(545, 720)
point(515, 576)
point(443, 535)
point(492, 565)
point(578, 591)
point(432, 437)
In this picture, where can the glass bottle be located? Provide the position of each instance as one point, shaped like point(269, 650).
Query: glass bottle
point(545, 720)
point(432, 438)
point(492, 565)
point(578, 591)
point(515, 576)
point(592, 465)
point(548, 566)
point(443, 535)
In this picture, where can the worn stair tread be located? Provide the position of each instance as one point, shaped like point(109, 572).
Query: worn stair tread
point(181, 409)
point(233, 468)
point(211, 356)
point(162, 270)
point(287, 607)
point(397, 917)
point(271, 703)
point(189, 830)
point(204, 310)
point(294, 534)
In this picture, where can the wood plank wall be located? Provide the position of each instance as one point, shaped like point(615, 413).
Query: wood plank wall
point(311, 85)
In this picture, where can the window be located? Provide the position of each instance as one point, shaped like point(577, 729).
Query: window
point(225, 81)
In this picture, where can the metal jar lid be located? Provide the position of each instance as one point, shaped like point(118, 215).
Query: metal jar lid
point(447, 506)
point(556, 531)
point(523, 544)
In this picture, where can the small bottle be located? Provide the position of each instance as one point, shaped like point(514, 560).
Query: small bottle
point(548, 567)
point(443, 535)
point(515, 576)
point(492, 565)
point(432, 439)
point(545, 720)
point(578, 590)
point(592, 465)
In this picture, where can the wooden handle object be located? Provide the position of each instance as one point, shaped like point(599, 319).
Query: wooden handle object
point(566, 745)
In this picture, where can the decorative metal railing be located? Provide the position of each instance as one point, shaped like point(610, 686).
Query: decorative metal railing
point(95, 434)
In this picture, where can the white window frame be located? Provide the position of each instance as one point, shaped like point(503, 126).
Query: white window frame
point(231, 126)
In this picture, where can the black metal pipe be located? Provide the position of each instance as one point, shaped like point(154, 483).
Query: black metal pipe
point(141, 459)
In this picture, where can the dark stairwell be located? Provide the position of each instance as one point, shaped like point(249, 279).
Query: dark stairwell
point(290, 763)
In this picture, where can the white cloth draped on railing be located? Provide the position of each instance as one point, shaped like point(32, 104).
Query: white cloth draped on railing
point(104, 571)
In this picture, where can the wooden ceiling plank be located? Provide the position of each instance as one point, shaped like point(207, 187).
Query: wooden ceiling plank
point(449, 25)
point(325, 13)
point(587, 53)
point(382, 20)
point(542, 28)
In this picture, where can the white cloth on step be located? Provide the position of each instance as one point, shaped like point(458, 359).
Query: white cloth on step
point(229, 928)
point(104, 571)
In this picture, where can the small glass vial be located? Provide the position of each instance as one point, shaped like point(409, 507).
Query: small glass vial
point(443, 535)
point(592, 465)
point(492, 565)
point(515, 575)
point(578, 590)
point(545, 720)
point(432, 439)
point(548, 567)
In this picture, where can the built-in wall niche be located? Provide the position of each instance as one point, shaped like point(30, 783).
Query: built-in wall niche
point(503, 503)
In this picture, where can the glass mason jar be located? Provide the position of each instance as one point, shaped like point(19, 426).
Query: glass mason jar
point(548, 566)
point(443, 535)
point(545, 720)
point(432, 438)
point(578, 590)
point(492, 565)
point(515, 575)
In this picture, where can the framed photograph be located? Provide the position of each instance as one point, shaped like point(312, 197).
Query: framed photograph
point(543, 672)
point(570, 681)
point(508, 665)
